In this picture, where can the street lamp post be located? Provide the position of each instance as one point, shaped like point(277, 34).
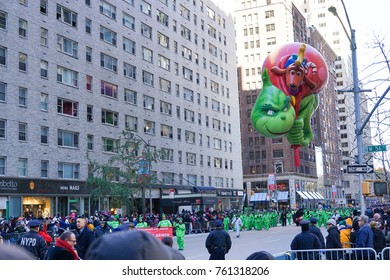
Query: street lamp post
point(147, 143)
point(356, 94)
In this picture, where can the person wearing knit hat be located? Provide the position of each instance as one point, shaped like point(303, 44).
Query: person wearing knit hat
point(333, 241)
point(131, 245)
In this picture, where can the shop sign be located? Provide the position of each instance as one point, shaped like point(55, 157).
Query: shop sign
point(8, 185)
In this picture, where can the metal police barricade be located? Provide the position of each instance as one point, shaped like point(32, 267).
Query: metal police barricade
point(385, 254)
point(332, 254)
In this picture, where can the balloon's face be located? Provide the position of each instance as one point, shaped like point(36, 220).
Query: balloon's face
point(316, 70)
point(272, 116)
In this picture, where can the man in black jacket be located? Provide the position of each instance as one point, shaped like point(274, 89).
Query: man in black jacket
point(85, 237)
point(218, 242)
point(315, 230)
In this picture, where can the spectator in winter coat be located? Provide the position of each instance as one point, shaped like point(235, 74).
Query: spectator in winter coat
point(333, 241)
point(365, 238)
point(379, 237)
point(85, 237)
point(315, 230)
point(305, 241)
point(63, 248)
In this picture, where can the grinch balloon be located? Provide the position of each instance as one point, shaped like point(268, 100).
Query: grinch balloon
point(292, 77)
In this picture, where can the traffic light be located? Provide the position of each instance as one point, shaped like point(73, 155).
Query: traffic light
point(366, 188)
point(380, 188)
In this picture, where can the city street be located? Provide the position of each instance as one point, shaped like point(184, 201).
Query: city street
point(276, 241)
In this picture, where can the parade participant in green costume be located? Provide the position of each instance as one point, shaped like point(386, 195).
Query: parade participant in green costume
point(114, 223)
point(142, 223)
point(226, 223)
point(164, 222)
point(289, 217)
point(180, 232)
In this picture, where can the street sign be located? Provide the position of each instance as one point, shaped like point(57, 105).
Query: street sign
point(360, 169)
point(378, 148)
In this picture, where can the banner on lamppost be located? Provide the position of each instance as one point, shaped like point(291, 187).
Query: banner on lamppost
point(143, 169)
point(271, 182)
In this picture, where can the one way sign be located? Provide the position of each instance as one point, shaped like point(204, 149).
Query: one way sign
point(360, 168)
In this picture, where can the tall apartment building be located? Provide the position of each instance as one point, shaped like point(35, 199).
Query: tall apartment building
point(75, 74)
point(317, 14)
point(262, 27)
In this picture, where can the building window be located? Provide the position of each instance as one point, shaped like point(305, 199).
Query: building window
point(147, 54)
point(88, 25)
point(149, 127)
point(165, 108)
point(110, 145)
point(22, 132)
point(146, 31)
point(277, 153)
point(68, 170)
point(130, 96)
point(129, 71)
point(22, 97)
point(22, 62)
point(185, 33)
point(189, 115)
point(44, 102)
point(164, 62)
point(67, 76)
point(22, 167)
point(3, 55)
point(131, 123)
point(191, 158)
point(68, 139)
point(108, 89)
point(167, 154)
point(146, 8)
point(165, 85)
point(44, 135)
point(168, 178)
point(163, 40)
point(109, 117)
point(44, 169)
point(107, 9)
point(43, 7)
point(188, 94)
point(3, 126)
point(148, 102)
point(148, 78)
point(108, 35)
point(90, 142)
point(2, 166)
point(44, 68)
point(3, 92)
point(190, 137)
point(67, 107)
point(128, 45)
point(67, 46)
point(89, 113)
point(22, 28)
point(67, 16)
point(270, 27)
point(162, 18)
point(108, 62)
point(44, 36)
point(3, 20)
point(88, 83)
point(166, 131)
point(128, 21)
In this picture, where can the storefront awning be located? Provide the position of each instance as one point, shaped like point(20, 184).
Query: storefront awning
point(319, 195)
point(199, 189)
point(257, 197)
point(282, 196)
point(308, 194)
point(314, 194)
point(301, 194)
